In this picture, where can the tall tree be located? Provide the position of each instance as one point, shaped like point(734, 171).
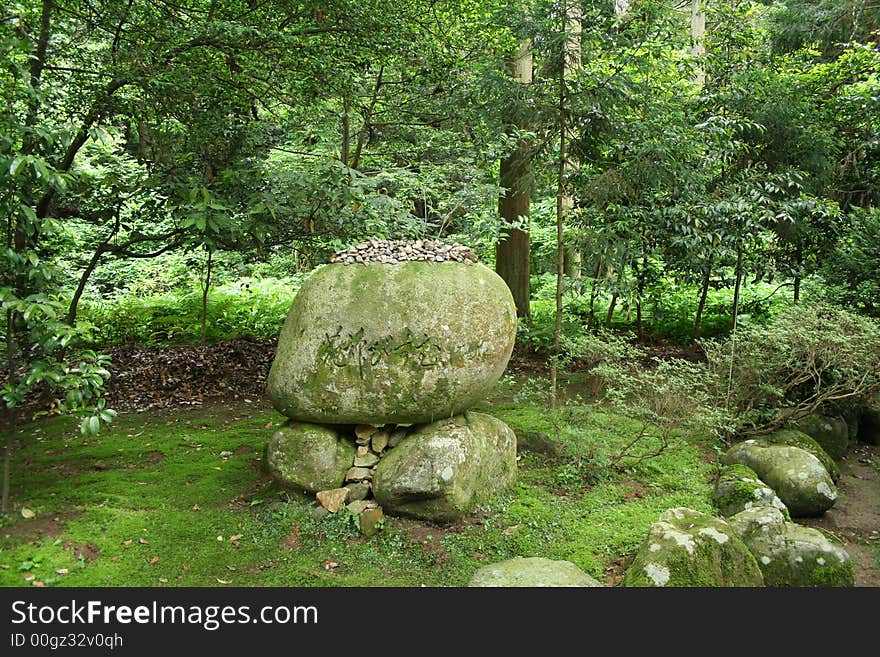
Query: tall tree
point(512, 252)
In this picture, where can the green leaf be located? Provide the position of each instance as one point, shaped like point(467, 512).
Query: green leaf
point(17, 164)
point(94, 424)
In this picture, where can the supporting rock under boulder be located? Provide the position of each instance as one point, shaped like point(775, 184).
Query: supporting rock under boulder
point(790, 554)
point(532, 572)
point(308, 456)
point(831, 433)
point(688, 548)
point(738, 488)
point(798, 477)
point(441, 471)
point(403, 343)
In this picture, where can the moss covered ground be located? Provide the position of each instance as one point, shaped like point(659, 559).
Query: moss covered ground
point(183, 499)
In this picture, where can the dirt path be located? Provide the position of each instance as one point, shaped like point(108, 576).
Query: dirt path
point(855, 518)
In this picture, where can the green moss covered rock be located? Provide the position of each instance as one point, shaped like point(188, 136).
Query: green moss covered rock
point(790, 554)
point(688, 548)
point(738, 488)
point(403, 343)
point(532, 571)
point(831, 433)
point(796, 438)
point(309, 457)
point(441, 471)
point(798, 477)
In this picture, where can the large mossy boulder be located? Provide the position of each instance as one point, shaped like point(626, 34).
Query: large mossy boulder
point(798, 477)
point(688, 548)
point(392, 343)
point(441, 471)
point(832, 433)
point(309, 457)
point(738, 488)
point(790, 554)
point(532, 572)
point(795, 438)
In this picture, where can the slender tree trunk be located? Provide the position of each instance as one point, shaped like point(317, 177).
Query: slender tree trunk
point(640, 289)
point(736, 287)
point(513, 251)
point(205, 291)
point(799, 256)
point(698, 48)
point(368, 117)
point(594, 293)
point(611, 307)
point(346, 131)
point(560, 246)
point(7, 466)
point(704, 292)
point(10, 414)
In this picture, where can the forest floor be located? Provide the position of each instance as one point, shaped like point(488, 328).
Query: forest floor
point(175, 492)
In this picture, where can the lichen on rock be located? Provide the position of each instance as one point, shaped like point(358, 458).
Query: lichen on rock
point(401, 343)
point(688, 548)
point(309, 457)
point(738, 488)
point(790, 554)
point(441, 471)
point(532, 572)
point(798, 477)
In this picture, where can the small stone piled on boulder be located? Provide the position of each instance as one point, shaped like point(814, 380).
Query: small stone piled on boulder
point(392, 252)
point(377, 367)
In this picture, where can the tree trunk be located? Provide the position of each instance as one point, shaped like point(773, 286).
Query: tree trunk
point(205, 291)
point(573, 261)
point(7, 464)
point(9, 413)
point(736, 286)
point(346, 131)
point(640, 289)
point(611, 307)
point(594, 293)
point(799, 261)
point(698, 48)
point(704, 292)
point(513, 252)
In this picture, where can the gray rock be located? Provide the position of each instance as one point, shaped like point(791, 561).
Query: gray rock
point(738, 488)
point(443, 470)
point(538, 443)
point(358, 474)
point(688, 548)
point(795, 438)
point(396, 437)
point(308, 456)
point(399, 344)
point(367, 460)
point(790, 554)
point(798, 477)
point(358, 490)
point(532, 572)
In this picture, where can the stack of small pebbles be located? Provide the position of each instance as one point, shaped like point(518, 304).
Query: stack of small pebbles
point(392, 252)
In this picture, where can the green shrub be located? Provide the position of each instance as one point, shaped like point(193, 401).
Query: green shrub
point(807, 358)
point(246, 307)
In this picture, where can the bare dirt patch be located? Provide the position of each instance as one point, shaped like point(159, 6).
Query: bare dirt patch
point(88, 552)
point(40, 528)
